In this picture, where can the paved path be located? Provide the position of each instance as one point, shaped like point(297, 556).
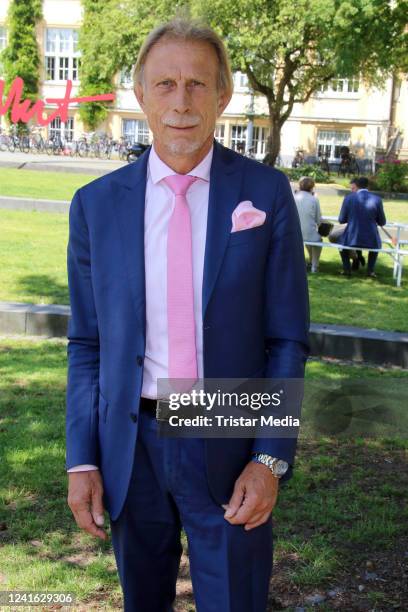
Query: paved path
point(58, 163)
point(14, 203)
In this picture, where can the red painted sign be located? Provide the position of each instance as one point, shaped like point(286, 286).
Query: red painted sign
point(23, 111)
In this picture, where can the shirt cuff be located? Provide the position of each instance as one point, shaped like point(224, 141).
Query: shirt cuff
point(85, 467)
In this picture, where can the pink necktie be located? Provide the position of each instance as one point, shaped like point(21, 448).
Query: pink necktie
point(180, 297)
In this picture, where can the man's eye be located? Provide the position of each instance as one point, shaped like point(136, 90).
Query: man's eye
point(166, 83)
point(197, 83)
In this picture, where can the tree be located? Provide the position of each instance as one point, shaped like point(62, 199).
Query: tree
point(290, 49)
point(21, 56)
point(110, 37)
point(287, 49)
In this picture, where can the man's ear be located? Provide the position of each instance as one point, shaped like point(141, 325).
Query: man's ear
point(223, 101)
point(139, 93)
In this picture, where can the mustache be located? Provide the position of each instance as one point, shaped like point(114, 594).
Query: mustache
point(190, 121)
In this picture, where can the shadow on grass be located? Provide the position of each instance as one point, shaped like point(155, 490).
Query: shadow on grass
point(359, 300)
point(335, 515)
point(44, 287)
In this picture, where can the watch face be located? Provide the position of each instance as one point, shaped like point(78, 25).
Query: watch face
point(281, 467)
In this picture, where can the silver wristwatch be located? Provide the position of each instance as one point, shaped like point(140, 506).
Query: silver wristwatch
point(278, 467)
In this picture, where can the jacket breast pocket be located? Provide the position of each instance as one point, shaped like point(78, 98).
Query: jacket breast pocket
point(102, 408)
point(247, 235)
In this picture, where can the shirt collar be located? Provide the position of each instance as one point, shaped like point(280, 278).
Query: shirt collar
point(362, 189)
point(158, 170)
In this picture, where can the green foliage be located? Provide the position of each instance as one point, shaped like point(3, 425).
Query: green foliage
point(95, 76)
point(110, 38)
point(392, 176)
point(21, 56)
point(289, 49)
point(316, 173)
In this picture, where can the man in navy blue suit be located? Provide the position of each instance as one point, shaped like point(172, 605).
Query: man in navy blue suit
point(188, 262)
point(363, 212)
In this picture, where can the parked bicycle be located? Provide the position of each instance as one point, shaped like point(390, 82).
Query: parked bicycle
point(36, 141)
point(122, 147)
point(54, 145)
point(106, 146)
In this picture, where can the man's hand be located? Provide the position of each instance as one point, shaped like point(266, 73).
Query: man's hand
point(254, 497)
point(85, 491)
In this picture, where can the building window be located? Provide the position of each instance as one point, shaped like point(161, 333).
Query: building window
point(238, 138)
point(329, 143)
point(3, 43)
point(240, 81)
point(340, 85)
point(63, 131)
point(61, 54)
point(125, 77)
point(63, 68)
point(353, 85)
point(220, 132)
point(259, 139)
point(75, 68)
point(50, 68)
point(3, 38)
point(135, 130)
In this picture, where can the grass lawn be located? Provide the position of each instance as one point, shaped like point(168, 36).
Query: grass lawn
point(395, 210)
point(62, 185)
point(33, 269)
point(33, 257)
point(343, 514)
point(41, 185)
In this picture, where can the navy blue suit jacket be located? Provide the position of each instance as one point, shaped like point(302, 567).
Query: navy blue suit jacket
point(255, 312)
point(362, 211)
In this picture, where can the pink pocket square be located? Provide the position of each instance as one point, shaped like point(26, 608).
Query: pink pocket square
point(246, 216)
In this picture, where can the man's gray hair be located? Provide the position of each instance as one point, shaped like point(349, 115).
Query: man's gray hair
point(186, 29)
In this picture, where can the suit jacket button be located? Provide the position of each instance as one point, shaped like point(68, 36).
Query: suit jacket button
point(133, 416)
point(139, 360)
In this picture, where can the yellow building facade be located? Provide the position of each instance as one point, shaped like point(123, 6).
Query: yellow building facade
point(342, 113)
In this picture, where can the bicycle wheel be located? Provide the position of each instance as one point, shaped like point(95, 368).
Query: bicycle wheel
point(82, 149)
point(49, 147)
point(106, 151)
point(40, 145)
point(11, 145)
point(95, 149)
point(24, 144)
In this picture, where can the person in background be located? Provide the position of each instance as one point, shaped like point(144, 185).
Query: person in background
point(363, 212)
point(310, 216)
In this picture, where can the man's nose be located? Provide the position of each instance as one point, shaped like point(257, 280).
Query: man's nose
point(182, 99)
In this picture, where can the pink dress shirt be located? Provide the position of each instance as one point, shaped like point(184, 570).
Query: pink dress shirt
point(159, 204)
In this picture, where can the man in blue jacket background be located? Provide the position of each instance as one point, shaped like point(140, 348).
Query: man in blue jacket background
point(363, 212)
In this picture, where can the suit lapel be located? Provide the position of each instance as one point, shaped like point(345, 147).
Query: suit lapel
point(130, 209)
point(225, 186)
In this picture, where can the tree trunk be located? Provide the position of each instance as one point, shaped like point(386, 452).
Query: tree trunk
point(274, 139)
